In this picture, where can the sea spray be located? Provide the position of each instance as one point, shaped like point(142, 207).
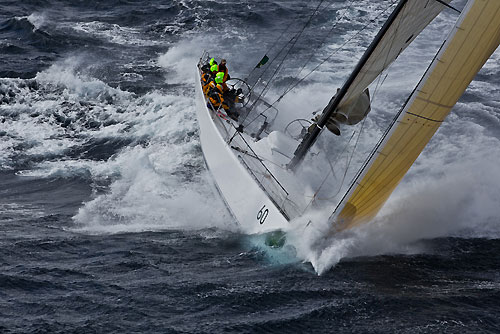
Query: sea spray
point(463, 203)
point(155, 173)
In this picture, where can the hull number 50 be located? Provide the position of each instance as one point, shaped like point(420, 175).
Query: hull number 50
point(262, 215)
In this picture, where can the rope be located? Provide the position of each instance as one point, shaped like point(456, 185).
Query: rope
point(331, 55)
point(322, 42)
point(295, 39)
point(269, 51)
point(380, 82)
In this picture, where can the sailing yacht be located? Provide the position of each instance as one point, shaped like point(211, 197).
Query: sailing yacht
point(261, 172)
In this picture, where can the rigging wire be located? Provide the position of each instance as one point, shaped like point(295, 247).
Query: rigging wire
point(273, 60)
point(385, 134)
point(279, 52)
point(330, 172)
point(295, 39)
point(290, 87)
point(349, 160)
point(268, 52)
point(331, 55)
point(323, 41)
point(320, 64)
point(379, 84)
point(380, 81)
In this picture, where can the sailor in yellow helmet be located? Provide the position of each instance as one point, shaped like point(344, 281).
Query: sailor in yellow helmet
point(221, 76)
point(214, 69)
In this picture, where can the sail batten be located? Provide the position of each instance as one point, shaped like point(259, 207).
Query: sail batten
point(470, 44)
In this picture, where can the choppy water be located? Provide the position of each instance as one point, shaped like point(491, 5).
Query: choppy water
point(109, 222)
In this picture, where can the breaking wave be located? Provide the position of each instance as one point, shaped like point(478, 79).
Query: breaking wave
point(65, 123)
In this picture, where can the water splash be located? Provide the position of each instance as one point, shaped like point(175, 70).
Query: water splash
point(38, 20)
point(153, 194)
point(463, 202)
point(150, 155)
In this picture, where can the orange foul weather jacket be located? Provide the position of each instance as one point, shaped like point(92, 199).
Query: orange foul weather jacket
point(215, 95)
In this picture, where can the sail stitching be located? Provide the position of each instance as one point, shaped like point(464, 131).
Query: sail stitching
point(309, 139)
point(464, 41)
point(408, 129)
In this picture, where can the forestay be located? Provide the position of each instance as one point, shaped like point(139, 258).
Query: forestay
point(472, 41)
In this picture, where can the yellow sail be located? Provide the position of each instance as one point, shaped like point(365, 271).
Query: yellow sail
point(472, 41)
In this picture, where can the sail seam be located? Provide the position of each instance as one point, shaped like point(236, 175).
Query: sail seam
point(426, 118)
point(449, 6)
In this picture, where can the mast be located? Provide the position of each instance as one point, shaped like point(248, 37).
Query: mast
point(310, 138)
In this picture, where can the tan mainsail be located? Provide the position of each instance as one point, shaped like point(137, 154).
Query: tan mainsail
point(470, 44)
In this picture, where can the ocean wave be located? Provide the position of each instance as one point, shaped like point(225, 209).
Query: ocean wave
point(114, 33)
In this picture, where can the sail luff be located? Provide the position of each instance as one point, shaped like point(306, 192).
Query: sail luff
point(474, 38)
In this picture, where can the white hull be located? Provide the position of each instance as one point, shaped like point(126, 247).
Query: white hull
point(244, 197)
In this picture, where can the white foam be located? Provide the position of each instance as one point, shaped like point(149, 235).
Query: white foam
point(158, 185)
point(150, 196)
point(180, 60)
point(452, 189)
point(38, 20)
point(114, 33)
point(442, 195)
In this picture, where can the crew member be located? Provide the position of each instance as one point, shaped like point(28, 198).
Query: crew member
point(215, 94)
point(224, 85)
point(206, 68)
point(206, 78)
point(223, 69)
point(214, 69)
